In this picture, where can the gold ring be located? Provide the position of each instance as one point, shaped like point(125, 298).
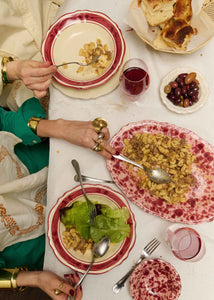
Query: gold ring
point(61, 284)
point(100, 137)
point(97, 147)
point(57, 292)
point(99, 124)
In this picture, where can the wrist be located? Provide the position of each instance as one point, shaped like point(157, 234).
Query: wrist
point(6, 69)
point(8, 278)
point(29, 278)
point(33, 124)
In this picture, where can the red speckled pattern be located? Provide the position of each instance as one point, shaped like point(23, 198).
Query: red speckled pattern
point(155, 280)
point(199, 206)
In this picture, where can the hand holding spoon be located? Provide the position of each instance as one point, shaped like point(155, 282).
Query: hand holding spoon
point(98, 250)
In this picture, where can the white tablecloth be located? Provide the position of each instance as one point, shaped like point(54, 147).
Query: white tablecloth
point(197, 277)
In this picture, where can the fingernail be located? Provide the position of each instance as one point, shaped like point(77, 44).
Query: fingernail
point(66, 275)
point(71, 292)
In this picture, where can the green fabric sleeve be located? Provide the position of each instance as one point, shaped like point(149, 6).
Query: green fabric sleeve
point(16, 122)
point(29, 254)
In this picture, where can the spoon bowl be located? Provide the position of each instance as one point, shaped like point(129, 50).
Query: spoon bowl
point(98, 250)
point(156, 175)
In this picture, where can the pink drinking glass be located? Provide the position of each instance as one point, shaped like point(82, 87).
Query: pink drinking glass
point(185, 243)
point(134, 78)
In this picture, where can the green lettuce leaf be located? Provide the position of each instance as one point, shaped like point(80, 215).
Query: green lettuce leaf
point(116, 229)
point(111, 222)
point(78, 215)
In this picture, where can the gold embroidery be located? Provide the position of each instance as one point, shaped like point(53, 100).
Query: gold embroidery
point(12, 226)
point(39, 210)
point(8, 221)
point(40, 194)
point(2, 210)
point(3, 153)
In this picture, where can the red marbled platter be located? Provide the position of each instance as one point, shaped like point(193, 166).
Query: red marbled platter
point(69, 33)
point(155, 279)
point(199, 206)
point(74, 259)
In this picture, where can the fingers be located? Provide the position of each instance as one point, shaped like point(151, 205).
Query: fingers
point(36, 76)
point(101, 140)
point(63, 290)
point(73, 279)
point(40, 94)
point(40, 85)
point(41, 69)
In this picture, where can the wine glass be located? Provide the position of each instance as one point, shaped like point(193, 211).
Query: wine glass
point(185, 243)
point(134, 78)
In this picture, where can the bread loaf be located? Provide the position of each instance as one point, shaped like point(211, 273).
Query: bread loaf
point(157, 11)
point(177, 33)
point(183, 10)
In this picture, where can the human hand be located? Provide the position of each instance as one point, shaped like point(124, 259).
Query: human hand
point(49, 282)
point(36, 76)
point(82, 133)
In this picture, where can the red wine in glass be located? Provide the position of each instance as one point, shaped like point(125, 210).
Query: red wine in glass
point(134, 79)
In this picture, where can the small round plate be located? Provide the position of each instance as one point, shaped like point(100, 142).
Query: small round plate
point(68, 35)
point(155, 279)
point(75, 259)
point(203, 91)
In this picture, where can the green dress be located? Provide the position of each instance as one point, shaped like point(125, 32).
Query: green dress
point(34, 154)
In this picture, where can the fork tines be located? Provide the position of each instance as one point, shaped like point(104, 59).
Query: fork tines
point(152, 246)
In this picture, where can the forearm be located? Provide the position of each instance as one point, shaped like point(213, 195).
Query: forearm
point(80, 133)
point(52, 128)
point(28, 278)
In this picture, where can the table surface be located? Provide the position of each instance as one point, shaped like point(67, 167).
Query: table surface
point(197, 277)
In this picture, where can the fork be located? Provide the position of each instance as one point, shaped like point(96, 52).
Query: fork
point(87, 178)
point(80, 64)
point(147, 251)
point(91, 206)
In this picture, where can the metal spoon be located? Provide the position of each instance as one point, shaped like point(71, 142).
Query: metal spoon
point(78, 63)
point(156, 175)
point(98, 250)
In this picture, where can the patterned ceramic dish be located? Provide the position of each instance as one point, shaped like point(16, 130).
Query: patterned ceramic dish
point(75, 259)
point(68, 35)
point(203, 91)
point(155, 279)
point(199, 206)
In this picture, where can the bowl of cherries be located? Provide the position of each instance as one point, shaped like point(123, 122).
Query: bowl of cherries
point(184, 90)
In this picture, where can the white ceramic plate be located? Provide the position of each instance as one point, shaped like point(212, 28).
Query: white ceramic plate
point(68, 35)
point(203, 91)
point(75, 259)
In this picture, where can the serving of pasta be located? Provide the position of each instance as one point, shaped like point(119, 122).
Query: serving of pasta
point(171, 154)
